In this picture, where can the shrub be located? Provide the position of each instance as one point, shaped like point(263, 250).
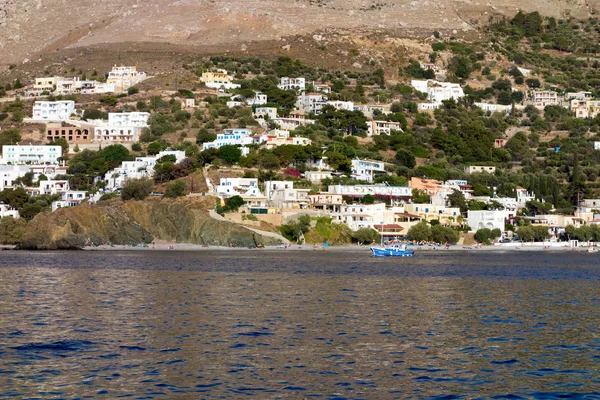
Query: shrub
point(175, 189)
point(137, 189)
point(365, 235)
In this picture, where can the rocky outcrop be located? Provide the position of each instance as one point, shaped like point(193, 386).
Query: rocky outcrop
point(74, 228)
point(130, 223)
point(188, 221)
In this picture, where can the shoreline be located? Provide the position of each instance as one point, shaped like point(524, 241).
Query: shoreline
point(166, 246)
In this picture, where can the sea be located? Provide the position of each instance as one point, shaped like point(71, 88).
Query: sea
point(282, 324)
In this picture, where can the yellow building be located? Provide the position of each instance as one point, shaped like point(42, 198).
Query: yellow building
point(219, 79)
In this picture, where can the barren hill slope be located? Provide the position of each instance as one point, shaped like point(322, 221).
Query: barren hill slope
point(28, 27)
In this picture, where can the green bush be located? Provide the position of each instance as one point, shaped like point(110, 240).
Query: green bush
point(137, 189)
point(175, 189)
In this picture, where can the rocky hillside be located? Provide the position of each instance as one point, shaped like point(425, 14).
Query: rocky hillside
point(33, 27)
point(130, 223)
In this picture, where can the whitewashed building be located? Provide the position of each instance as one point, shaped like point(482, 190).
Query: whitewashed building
point(258, 99)
point(70, 198)
point(124, 77)
point(341, 105)
point(543, 98)
point(232, 137)
point(229, 187)
point(15, 154)
point(10, 173)
point(286, 83)
point(471, 169)
point(53, 110)
point(121, 127)
point(403, 192)
point(281, 194)
point(317, 176)
point(8, 211)
point(438, 91)
point(311, 102)
point(264, 113)
point(364, 170)
point(141, 167)
point(490, 219)
point(382, 127)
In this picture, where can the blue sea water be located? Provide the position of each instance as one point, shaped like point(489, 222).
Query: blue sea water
point(285, 324)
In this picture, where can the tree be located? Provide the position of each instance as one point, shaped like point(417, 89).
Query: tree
point(457, 199)
point(420, 232)
point(175, 189)
point(483, 235)
point(132, 90)
point(365, 235)
point(11, 230)
point(233, 203)
point(530, 24)
point(230, 154)
point(62, 142)
point(405, 159)
point(137, 189)
point(10, 136)
point(155, 148)
point(444, 235)
point(526, 233)
point(368, 199)
point(294, 230)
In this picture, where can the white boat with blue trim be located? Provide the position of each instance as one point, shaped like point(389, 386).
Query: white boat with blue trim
point(395, 250)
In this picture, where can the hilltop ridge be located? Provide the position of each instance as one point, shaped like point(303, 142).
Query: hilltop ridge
point(33, 27)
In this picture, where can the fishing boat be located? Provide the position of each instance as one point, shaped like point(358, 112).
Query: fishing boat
point(395, 250)
point(592, 250)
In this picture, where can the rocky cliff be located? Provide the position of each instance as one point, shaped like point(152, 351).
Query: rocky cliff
point(130, 223)
point(31, 27)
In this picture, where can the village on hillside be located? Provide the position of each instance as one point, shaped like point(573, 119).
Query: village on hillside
point(445, 159)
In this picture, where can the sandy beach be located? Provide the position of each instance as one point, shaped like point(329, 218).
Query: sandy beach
point(166, 246)
point(344, 248)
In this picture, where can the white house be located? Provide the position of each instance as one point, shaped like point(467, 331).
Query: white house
point(234, 137)
point(53, 110)
point(428, 106)
point(262, 113)
point(292, 84)
point(382, 127)
point(364, 170)
point(281, 194)
point(52, 187)
point(341, 105)
point(543, 98)
point(229, 187)
point(317, 176)
point(124, 77)
point(8, 211)
point(15, 154)
point(70, 198)
point(491, 219)
point(358, 216)
point(494, 107)
point(471, 169)
point(438, 91)
point(404, 192)
point(10, 173)
point(142, 167)
point(258, 99)
point(121, 127)
point(311, 102)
